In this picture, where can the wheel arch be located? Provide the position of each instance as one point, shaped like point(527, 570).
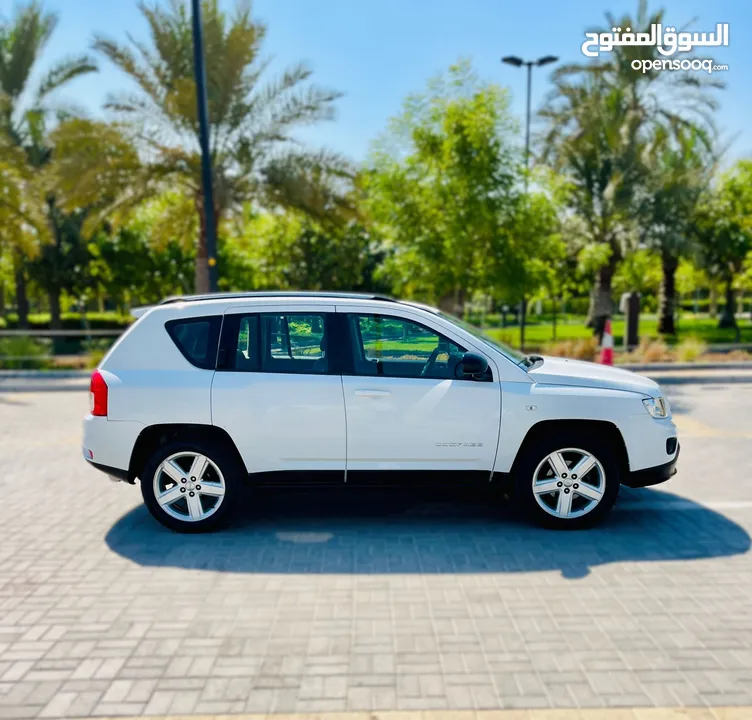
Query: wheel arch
point(604, 428)
point(155, 436)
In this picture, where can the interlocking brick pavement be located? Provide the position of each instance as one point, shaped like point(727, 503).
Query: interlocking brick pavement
point(321, 603)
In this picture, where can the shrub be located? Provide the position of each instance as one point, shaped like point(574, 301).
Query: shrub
point(690, 349)
point(649, 351)
point(488, 320)
point(582, 349)
point(732, 356)
point(74, 321)
point(96, 349)
point(703, 305)
point(24, 353)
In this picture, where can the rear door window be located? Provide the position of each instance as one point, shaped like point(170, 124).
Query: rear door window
point(294, 343)
point(276, 343)
point(197, 339)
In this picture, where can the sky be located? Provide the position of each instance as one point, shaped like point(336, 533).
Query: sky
point(378, 51)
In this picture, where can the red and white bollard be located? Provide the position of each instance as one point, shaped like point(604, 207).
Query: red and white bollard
point(607, 345)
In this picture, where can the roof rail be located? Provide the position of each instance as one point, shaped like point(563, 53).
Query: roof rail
point(272, 294)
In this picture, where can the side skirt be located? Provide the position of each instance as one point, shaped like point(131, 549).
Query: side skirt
point(374, 478)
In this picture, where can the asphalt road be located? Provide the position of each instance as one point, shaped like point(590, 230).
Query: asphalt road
point(313, 603)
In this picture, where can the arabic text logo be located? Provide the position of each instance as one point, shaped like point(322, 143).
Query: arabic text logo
point(666, 40)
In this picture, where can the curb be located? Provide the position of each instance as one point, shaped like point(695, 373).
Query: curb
point(681, 367)
point(700, 379)
point(44, 374)
point(43, 387)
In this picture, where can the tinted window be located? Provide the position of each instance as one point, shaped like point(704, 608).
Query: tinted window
point(266, 342)
point(196, 339)
point(294, 343)
point(246, 353)
point(401, 348)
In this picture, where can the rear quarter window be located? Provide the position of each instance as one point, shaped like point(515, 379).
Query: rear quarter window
point(197, 339)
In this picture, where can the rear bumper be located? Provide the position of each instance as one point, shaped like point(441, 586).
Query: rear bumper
point(654, 475)
point(115, 474)
point(108, 444)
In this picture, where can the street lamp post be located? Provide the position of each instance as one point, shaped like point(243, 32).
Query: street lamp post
point(210, 222)
point(519, 62)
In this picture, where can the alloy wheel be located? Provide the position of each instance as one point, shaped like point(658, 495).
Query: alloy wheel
point(189, 486)
point(569, 483)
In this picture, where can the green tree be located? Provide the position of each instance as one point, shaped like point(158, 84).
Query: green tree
point(61, 264)
point(443, 189)
point(690, 278)
point(128, 268)
point(593, 142)
point(293, 251)
point(723, 229)
point(629, 109)
point(253, 124)
point(676, 173)
point(744, 280)
point(640, 271)
point(657, 100)
point(536, 253)
point(25, 110)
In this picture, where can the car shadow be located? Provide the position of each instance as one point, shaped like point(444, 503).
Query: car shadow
point(382, 531)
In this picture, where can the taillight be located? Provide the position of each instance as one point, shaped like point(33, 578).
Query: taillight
point(98, 389)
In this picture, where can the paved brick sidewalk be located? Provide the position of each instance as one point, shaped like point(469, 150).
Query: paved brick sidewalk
point(323, 604)
point(728, 713)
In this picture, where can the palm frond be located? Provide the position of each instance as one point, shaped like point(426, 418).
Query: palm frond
point(63, 72)
point(23, 40)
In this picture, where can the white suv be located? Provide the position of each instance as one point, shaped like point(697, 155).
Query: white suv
point(205, 393)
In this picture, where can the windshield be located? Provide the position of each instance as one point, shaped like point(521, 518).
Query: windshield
point(510, 353)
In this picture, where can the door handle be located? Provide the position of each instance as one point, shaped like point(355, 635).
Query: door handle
point(372, 393)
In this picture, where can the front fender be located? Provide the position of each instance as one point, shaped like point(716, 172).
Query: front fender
point(524, 405)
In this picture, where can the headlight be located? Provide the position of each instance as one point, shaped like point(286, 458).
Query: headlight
point(657, 407)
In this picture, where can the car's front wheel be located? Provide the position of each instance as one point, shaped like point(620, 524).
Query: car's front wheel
point(568, 480)
point(190, 486)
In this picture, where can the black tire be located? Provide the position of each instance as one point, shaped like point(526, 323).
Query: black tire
point(596, 444)
point(231, 475)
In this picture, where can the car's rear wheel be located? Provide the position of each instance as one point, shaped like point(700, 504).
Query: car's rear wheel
point(568, 480)
point(189, 486)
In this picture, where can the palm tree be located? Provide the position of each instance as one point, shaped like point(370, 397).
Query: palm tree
point(24, 112)
point(676, 174)
point(653, 103)
point(592, 141)
point(253, 147)
point(722, 227)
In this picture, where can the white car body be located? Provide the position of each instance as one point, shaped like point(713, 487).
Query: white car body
point(341, 426)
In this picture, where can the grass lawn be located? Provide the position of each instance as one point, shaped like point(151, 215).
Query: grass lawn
point(702, 327)
point(422, 345)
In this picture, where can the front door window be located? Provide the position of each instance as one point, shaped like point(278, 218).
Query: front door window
point(396, 347)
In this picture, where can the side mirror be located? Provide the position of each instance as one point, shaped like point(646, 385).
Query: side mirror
point(473, 364)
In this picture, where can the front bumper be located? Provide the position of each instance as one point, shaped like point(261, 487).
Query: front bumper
point(653, 475)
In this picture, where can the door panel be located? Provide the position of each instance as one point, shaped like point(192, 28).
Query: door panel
point(290, 417)
point(425, 420)
point(421, 424)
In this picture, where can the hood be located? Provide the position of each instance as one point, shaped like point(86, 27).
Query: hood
point(563, 371)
